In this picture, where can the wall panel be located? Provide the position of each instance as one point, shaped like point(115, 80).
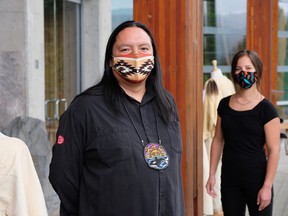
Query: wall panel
point(262, 36)
point(177, 29)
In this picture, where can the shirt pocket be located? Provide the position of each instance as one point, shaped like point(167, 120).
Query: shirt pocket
point(114, 145)
point(175, 136)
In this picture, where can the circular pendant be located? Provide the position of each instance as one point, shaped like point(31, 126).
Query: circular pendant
point(156, 156)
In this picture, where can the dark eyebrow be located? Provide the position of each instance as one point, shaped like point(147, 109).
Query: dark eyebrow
point(146, 44)
point(143, 44)
point(124, 45)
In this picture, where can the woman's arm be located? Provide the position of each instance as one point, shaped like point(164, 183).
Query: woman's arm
point(216, 152)
point(272, 133)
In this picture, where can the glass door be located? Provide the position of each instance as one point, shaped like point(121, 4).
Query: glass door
point(62, 59)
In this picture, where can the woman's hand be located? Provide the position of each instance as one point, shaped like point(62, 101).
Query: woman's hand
point(264, 197)
point(210, 186)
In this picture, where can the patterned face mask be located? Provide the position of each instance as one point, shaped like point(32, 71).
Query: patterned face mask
point(134, 70)
point(246, 81)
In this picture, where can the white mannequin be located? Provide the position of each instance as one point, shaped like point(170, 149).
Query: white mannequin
point(21, 192)
point(216, 72)
point(216, 88)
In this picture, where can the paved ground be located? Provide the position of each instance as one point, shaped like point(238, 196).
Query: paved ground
point(280, 207)
point(281, 184)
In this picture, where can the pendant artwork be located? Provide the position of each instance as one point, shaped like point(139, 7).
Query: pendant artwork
point(156, 156)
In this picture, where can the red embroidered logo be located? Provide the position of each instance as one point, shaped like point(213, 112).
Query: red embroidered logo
point(60, 140)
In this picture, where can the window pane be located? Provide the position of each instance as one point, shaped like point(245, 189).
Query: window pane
point(62, 59)
point(282, 75)
point(122, 10)
point(224, 32)
point(222, 47)
point(225, 13)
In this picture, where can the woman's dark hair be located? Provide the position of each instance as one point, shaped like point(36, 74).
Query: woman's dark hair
point(113, 92)
point(255, 59)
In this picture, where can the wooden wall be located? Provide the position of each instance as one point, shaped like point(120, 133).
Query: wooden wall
point(177, 29)
point(262, 36)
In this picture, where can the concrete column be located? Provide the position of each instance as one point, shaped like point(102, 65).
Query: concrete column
point(21, 60)
point(35, 73)
point(96, 28)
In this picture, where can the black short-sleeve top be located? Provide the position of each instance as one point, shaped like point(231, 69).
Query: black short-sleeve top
point(244, 138)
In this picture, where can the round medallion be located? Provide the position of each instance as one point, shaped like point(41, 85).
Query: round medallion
point(156, 156)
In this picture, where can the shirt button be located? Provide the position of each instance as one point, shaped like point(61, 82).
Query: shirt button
point(162, 195)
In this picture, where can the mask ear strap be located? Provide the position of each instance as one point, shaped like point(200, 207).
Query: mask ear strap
point(111, 61)
point(256, 75)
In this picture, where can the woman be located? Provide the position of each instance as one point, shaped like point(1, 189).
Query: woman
point(118, 148)
point(246, 123)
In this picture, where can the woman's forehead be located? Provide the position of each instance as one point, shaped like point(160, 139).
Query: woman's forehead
point(244, 61)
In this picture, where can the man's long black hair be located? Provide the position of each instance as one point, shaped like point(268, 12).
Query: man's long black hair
point(112, 90)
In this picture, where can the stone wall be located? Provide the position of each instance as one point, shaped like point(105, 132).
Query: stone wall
point(12, 86)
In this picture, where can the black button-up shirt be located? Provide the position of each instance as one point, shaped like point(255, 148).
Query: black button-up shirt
point(98, 165)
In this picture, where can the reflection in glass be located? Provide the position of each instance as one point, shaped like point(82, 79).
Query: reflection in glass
point(122, 10)
point(62, 59)
point(224, 32)
point(282, 13)
point(282, 75)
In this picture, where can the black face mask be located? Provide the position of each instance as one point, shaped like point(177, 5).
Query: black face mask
point(246, 81)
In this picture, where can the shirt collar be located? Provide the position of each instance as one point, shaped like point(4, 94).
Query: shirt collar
point(148, 96)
